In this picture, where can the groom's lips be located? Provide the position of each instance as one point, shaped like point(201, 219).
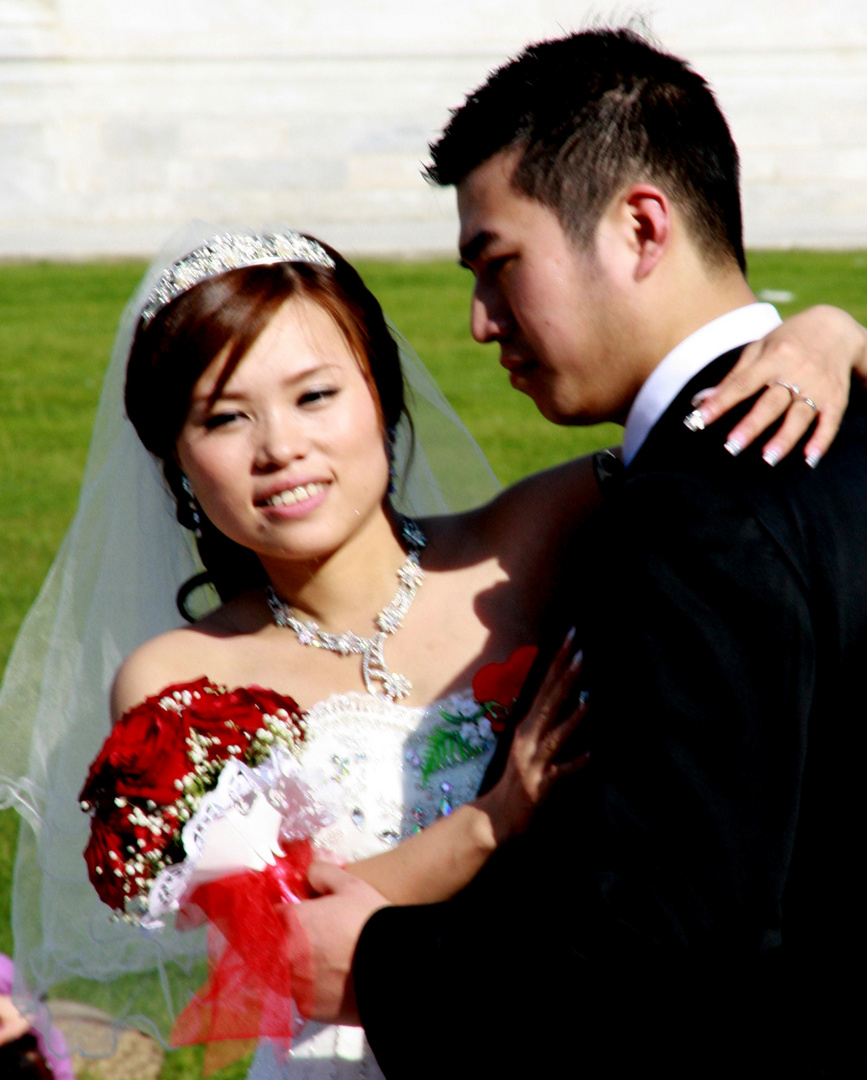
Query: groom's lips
point(517, 366)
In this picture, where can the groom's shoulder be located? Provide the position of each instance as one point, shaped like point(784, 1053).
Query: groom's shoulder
point(673, 447)
point(812, 514)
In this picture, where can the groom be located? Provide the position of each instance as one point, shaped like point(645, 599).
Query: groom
point(695, 900)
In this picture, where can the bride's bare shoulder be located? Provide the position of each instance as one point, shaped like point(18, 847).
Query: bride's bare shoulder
point(181, 655)
point(158, 663)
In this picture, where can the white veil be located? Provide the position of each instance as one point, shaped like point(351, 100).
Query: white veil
point(113, 586)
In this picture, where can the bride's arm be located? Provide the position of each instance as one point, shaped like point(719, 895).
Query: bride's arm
point(446, 856)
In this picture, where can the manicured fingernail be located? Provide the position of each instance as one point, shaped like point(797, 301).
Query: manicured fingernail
point(771, 456)
point(733, 447)
point(813, 458)
point(577, 660)
point(694, 420)
point(570, 637)
point(701, 396)
point(583, 697)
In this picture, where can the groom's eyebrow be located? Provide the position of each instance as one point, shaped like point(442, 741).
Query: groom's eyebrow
point(473, 248)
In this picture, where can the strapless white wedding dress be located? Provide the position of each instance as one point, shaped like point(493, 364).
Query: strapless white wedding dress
point(374, 748)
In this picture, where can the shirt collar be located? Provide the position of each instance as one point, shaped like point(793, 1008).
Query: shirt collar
point(673, 372)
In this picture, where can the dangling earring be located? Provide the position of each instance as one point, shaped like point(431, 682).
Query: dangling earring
point(390, 439)
point(194, 507)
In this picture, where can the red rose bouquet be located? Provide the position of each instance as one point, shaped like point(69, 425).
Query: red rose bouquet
point(154, 770)
point(200, 807)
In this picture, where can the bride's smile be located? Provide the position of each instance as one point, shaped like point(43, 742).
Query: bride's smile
point(300, 494)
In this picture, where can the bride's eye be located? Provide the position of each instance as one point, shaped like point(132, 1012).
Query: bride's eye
point(317, 396)
point(217, 420)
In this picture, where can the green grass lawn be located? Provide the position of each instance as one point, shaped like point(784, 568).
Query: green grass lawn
point(57, 322)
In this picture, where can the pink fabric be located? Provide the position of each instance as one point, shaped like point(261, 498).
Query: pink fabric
point(7, 972)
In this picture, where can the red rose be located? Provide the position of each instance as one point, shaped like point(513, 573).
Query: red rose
point(234, 717)
point(103, 840)
point(142, 757)
point(500, 684)
point(270, 702)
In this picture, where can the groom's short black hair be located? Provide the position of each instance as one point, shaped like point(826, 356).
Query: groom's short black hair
point(592, 113)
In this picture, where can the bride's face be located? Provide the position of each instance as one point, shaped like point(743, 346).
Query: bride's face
point(287, 457)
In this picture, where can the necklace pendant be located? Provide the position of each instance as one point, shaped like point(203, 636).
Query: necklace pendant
point(394, 686)
point(388, 621)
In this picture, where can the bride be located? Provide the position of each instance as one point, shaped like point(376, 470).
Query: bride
point(262, 376)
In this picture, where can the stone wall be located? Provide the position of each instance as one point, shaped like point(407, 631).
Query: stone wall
point(120, 120)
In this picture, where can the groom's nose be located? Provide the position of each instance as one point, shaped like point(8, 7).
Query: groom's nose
point(490, 316)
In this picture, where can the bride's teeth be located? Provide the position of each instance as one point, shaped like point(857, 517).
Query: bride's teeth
point(295, 495)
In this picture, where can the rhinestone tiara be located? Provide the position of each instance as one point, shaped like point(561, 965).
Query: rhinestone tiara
point(230, 251)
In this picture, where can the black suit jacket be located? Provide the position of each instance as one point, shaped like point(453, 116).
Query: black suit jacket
point(695, 899)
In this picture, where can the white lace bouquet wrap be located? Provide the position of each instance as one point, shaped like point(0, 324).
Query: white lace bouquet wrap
point(245, 824)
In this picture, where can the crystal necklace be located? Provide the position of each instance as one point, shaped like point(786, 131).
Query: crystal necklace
point(388, 621)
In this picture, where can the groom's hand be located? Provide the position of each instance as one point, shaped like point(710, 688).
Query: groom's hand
point(331, 924)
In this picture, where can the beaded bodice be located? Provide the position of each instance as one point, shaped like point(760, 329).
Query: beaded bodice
point(374, 749)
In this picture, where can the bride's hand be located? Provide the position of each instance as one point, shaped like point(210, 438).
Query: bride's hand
point(445, 856)
point(532, 767)
point(806, 366)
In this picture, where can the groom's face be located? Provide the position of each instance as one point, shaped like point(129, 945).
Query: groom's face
point(558, 313)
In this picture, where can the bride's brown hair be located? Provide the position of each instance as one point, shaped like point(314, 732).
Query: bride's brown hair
point(227, 313)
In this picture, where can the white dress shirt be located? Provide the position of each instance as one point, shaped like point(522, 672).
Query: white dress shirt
point(673, 372)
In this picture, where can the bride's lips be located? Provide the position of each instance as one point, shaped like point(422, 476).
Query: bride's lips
point(293, 499)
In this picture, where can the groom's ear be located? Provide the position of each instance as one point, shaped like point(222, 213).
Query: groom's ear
point(646, 216)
